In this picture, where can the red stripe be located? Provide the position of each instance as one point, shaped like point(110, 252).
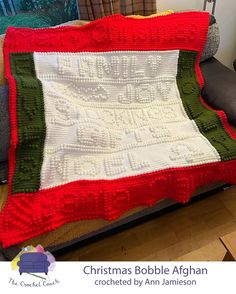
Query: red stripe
point(184, 31)
point(28, 215)
point(223, 118)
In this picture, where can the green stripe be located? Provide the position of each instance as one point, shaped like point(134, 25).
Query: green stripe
point(31, 124)
point(208, 122)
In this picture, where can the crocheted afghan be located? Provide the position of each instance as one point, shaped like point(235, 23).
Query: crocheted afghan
point(107, 117)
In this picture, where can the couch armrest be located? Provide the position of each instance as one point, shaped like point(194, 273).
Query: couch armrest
point(219, 90)
point(4, 132)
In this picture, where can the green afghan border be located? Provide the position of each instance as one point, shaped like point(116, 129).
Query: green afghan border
point(31, 124)
point(208, 122)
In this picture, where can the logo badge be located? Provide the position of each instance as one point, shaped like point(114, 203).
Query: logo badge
point(33, 261)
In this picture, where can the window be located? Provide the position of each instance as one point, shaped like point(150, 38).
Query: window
point(36, 13)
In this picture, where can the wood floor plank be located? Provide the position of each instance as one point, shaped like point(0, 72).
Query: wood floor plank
point(228, 198)
point(3, 195)
point(229, 242)
point(213, 251)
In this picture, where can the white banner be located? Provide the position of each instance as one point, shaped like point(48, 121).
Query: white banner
point(123, 277)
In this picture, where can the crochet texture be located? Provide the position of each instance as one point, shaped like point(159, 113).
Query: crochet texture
point(107, 117)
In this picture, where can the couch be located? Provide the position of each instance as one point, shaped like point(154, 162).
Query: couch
point(33, 262)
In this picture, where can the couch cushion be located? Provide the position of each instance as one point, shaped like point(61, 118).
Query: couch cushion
point(4, 132)
point(2, 79)
point(4, 122)
point(220, 87)
point(212, 43)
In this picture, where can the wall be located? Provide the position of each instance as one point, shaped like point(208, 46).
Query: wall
point(226, 18)
point(179, 4)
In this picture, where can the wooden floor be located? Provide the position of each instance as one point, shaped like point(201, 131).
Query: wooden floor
point(189, 233)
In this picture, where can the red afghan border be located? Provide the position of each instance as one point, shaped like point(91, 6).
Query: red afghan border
point(27, 215)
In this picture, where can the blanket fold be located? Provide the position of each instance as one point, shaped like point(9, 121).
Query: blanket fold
point(107, 117)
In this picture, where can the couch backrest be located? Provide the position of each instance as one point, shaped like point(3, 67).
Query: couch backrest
point(33, 257)
point(213, 40)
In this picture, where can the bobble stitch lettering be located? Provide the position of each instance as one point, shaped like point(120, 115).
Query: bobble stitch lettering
point(164, 86)
point(186, 152)
point(114, 165)
point(87, 166)
point(137, 164)
point(154, 64)
point(64, 64)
